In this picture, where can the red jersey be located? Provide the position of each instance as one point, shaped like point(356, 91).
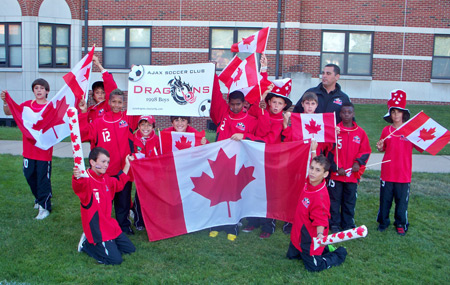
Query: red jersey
point(313, 210)
point(113, 132)
point(399, 151)
point(96, 194)
point(353, 146)
point(274, 123)
point(229, 123)
point(145, 147)
point(29, 149)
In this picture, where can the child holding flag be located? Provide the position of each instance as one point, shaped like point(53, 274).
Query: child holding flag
point(232, 123)
point(37, 163)
point(311, 220)
point(100, 93)
point(102, 237)
point(353, 152)
point(146, 144)
point(395, 175)
point(114, 132)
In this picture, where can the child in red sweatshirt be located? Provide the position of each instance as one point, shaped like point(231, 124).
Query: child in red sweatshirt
point(102, 237)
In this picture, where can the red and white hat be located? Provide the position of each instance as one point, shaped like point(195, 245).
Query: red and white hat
point(281, 89)
point(397, 101)
point(148, 118)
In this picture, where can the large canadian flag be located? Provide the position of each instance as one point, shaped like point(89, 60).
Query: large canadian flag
point(218, 184)
point(321, 127)
point(51, 124)
point(174, 141)
point(241, 74)
point(254, 43)
point(425, 133)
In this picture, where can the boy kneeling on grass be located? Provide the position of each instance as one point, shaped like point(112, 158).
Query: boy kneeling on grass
point(311, 220)
point(102, 236)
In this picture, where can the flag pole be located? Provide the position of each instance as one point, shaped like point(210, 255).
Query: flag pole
point(160, 143)
point(259, 84)
point(335, 137)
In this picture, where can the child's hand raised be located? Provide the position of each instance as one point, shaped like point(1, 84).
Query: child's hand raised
point(83, 106)
point(203, 141)
point(3, 95)
point(76, 172)
point(286, 117)
point(262, 104)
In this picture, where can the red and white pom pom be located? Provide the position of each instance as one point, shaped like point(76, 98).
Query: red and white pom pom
point(350, 234)
point(77, 148)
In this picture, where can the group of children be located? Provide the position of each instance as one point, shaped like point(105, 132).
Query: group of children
point(117, 138)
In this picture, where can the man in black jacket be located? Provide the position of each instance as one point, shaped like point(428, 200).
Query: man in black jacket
point(329, 93)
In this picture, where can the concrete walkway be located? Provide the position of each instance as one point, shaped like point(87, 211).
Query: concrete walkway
point(421, 162)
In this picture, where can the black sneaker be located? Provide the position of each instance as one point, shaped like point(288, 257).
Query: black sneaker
point(380, 229)
point(401, 231)
point(128, 231)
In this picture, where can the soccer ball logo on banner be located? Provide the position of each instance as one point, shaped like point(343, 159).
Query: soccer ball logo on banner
point(137, 72)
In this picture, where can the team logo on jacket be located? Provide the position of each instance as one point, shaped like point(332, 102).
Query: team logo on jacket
point(139, 149)
point(123, 124)
point(305, 202)
point(101, 111)
point(240, 126)
point(97, 195)
point(356, 139)
point(338, 101)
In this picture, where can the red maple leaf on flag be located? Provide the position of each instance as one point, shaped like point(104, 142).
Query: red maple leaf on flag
point(427, 134)
point(52, 116)
point(76, 147)
point(183, 143)
point(248, 40)
point(313, 128)
point(70, 113)
point(225, 186)
point(77, 160)
point(349, 234)
point(341, 235)
point(237, 75)
point(73, 137)
point(360, 231)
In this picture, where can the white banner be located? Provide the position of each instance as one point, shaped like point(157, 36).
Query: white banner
point(182, 90)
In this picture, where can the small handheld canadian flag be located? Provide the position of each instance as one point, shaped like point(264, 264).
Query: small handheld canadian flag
point(425, 133)
point(254, 43)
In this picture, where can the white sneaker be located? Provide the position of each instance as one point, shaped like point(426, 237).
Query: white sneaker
point(36, 206)
point(43, 213)
point(80, 244)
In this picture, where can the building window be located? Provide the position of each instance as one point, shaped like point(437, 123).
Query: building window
point(221, 40)
point(10, 45)
point(351, 51)
point(124, 46)
point(441, 57)
point(54, 45)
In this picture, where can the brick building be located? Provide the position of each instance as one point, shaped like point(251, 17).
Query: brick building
point(379, 45)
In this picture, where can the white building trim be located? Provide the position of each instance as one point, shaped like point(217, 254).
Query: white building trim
point(286, 25)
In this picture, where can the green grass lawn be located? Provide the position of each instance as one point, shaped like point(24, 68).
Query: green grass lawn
point(45, 251)
point(369, 117)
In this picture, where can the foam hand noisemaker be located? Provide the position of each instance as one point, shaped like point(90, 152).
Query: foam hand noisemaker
point(350, 234)
point(75, 138)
